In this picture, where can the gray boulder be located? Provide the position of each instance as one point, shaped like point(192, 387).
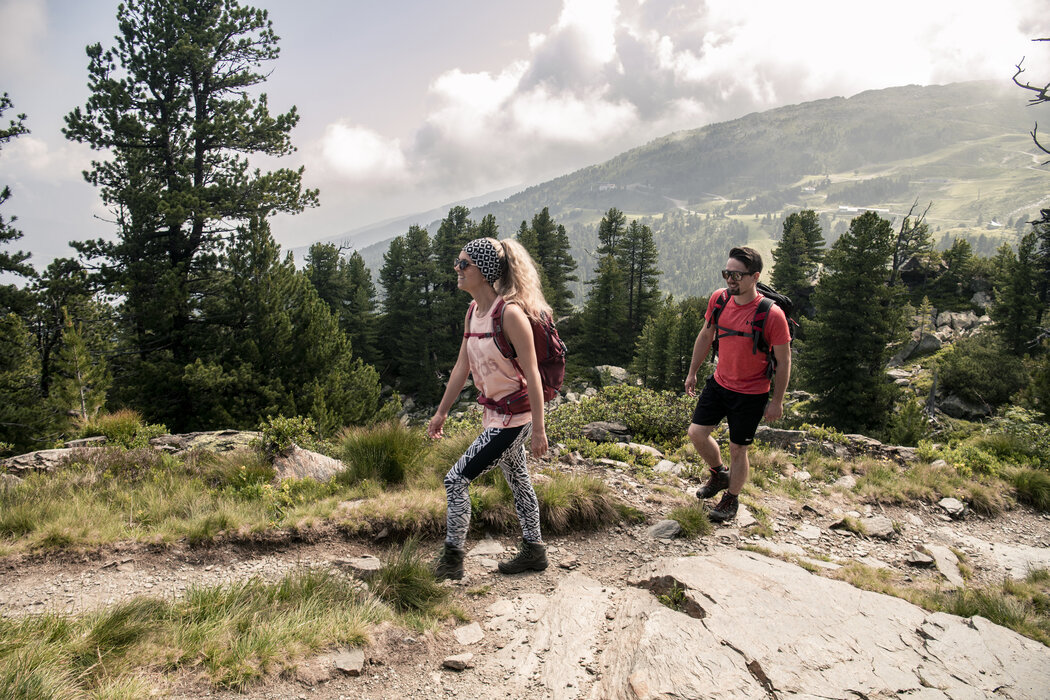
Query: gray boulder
point(606, 431)
point(297, 463)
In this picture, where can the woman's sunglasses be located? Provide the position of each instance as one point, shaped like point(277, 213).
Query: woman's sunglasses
point(461, 264)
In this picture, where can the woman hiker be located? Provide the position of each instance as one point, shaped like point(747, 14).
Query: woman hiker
point(491, 270)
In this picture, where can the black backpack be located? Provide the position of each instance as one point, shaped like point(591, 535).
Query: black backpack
point(770, 296)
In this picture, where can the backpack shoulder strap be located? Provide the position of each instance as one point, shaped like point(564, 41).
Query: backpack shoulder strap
point(470, 314)
point(758, 324)
point(498, 335)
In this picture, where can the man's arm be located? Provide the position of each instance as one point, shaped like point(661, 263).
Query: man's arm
point(701, 347)
point(775, 407)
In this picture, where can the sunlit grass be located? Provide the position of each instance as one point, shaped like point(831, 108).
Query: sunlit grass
point(233, 635)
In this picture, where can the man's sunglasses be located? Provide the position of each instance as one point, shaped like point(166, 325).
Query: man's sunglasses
point(461, 264)
point(736, 275)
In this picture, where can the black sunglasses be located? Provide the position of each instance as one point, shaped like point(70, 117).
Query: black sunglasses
point(461, 264)
point(735, 274)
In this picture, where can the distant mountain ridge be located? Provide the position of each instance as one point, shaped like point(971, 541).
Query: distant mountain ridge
point(963, 146)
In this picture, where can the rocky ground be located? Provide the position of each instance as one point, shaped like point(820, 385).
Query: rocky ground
point(556, 633)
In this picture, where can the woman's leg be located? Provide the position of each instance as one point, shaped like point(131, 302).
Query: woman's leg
point(526, 504)
point(481, 456)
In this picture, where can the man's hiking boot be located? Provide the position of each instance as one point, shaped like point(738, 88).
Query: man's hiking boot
point(450, 564)
point(719, 481)
point(532, 556)
point(725, 510)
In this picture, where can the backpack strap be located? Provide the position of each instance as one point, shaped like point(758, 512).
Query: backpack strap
point(720, 304)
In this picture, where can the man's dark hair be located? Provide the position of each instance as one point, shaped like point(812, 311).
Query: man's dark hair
point(748, 256)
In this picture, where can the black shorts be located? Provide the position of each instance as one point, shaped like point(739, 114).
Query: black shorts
point(742, 411)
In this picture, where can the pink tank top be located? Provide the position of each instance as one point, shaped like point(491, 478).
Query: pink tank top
point(494, 375)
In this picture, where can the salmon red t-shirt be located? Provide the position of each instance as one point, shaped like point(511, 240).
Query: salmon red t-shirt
point(739, 369)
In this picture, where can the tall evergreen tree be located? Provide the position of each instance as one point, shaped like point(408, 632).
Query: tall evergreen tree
point(604, 322)
point(796, 259)
point(858, 315)
point(1017, 305)
point(637, 255)
point(548, 244)
point(12, 298)
point(408, 323)
point(279, 350)
point(665, 346)
point(455, 231)
point(23, 419)
point(175, 105)
point(610, 229)
point(360, 311)
point(81, 375)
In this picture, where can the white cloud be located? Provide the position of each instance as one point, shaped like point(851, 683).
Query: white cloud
point(609, 75)
point(358, 154)
point(47, 161)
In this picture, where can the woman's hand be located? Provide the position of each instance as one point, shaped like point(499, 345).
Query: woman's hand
point(436, 424)
point(539, 443)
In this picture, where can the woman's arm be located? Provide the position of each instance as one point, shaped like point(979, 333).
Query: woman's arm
point(518, 330)
point(456, 380)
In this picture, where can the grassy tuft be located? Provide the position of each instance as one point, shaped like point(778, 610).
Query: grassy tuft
point(693, 520)
point(1033, 487)
point(406, 582)
point(569, 503)
point(390, 453)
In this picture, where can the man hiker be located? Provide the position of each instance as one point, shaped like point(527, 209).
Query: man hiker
point(739, 388)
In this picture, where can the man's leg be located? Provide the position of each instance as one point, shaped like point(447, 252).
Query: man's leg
point(739, 467)
point(706, 446)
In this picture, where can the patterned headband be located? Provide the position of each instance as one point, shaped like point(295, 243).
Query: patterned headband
point(483, 254)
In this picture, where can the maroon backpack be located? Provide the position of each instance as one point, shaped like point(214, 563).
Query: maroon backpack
point(550, 359)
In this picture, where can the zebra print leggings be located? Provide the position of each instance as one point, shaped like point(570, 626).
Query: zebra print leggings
point(503, 446)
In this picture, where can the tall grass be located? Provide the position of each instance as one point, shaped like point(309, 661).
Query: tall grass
point(235, 635)
point(406, 582)
point(390, 453)
point(1033, 487)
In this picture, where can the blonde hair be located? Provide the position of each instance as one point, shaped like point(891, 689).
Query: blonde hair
point(520, 282)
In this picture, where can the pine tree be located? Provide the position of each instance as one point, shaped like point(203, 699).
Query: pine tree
point(81, 376)
point(279, 351)
point(605, 316)
point(408, 322)
point(548, 244)
point(449, 303)
point(176, 108)
point(1017, 306)
point(360, 311)
point(12, 298)
point(23, 420)
point(858, 315)
point(637, 256)
point(796, 259)
point(665, 345)
point(610, 229)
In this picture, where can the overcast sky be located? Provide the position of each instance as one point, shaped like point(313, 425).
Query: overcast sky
point(408, 105)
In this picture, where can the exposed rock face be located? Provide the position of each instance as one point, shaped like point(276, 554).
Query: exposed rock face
point(43, 460)
point(610, 375)
point(747, 626)
point(297, 463)
point(212, 441)
point(604, 431)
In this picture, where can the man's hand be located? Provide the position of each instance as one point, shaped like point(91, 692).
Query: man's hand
point(774, 411)
point(690, 385)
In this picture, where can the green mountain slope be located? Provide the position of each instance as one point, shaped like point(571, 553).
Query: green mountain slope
point(964, 147)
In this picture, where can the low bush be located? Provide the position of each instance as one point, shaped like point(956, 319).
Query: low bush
point(659, 418)
point(980, 370)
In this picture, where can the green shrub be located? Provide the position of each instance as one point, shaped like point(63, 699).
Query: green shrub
point(280, 433)
point(908, 425)
point(389, 453)
point(123, 428)
point(980, 370)
point(660, 418)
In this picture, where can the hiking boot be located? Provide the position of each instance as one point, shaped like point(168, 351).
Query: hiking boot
point(532, 556)
point(450, 564)
point(725, 510)
point(719, 481)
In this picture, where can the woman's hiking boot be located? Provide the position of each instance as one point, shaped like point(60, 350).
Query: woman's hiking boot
point(725, 510)
point(719, 481)
point(532, 556)
point(450, 564)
